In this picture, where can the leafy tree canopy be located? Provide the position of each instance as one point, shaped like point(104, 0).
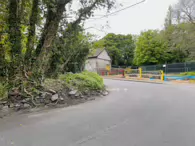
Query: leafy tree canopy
point(150, 49)
point(120, 48)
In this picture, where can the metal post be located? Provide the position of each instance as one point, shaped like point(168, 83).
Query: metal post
point(185, 67)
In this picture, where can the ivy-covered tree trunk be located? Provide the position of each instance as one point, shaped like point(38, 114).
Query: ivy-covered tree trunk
point(43, 51)
point(15, 35)
point(32, 32)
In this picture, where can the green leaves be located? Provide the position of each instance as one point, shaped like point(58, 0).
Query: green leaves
point(180, 40)
point(83, 81)
point(70, 51)
point(149, 49)
point(120, 48)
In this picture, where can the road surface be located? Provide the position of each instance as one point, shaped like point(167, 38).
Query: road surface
point(134, 114)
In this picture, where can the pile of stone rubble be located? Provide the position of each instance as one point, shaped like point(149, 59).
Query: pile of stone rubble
point(52, 98)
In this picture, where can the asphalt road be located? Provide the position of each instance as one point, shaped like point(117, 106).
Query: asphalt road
point(134, 114)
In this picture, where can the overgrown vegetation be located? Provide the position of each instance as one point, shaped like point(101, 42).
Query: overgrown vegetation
point(85, 81)
point(3, 91)
point(37, 40)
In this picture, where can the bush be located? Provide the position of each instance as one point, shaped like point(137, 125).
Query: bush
point(3, 91)
point(83, 81)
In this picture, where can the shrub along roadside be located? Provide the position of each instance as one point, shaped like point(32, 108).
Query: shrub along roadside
point(68, 89)
point(84, 81)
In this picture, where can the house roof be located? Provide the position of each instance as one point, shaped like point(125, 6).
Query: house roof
point(96, 53)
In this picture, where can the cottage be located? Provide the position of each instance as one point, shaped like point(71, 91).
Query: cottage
point(99, 60)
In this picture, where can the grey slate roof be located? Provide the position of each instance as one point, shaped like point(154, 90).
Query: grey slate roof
point(96, 53)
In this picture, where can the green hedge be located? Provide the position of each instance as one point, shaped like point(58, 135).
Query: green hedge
point(83, 81)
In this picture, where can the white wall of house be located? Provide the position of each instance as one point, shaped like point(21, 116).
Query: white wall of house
point(92, 64)
point(95, 63)
point(102, 63)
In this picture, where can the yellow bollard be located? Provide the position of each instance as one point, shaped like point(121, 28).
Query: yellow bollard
point(162, 76)
point(140, 73)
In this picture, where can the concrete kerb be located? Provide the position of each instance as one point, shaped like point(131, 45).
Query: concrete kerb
point(150, 82)
point(130, 80)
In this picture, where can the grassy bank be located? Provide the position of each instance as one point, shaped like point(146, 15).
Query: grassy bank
point(187, 74)
point(83, 81)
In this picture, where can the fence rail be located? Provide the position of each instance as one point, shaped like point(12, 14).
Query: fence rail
point(113, 71)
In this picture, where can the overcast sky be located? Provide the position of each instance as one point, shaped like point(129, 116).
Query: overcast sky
point(148, 15)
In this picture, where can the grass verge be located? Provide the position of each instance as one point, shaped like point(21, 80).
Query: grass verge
point(188, 74)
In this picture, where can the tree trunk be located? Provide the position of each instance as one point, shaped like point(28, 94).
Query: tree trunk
point(32, 32)
point(15, 35)
point(43, 51)
point(54, 15)
point(14, 28)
